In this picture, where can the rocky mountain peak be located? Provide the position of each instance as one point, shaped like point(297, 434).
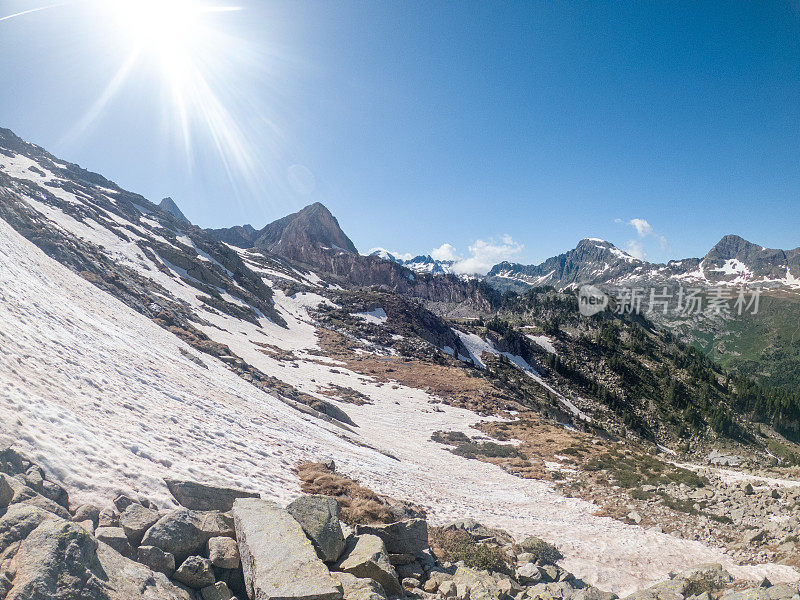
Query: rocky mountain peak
point(168, 204)
point(302, 234)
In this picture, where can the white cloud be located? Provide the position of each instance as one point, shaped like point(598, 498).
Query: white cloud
point(635, 249)
point(643, 230)
point(485, 254)
point(445, 252)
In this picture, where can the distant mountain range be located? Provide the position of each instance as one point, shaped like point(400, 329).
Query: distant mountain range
point(733, 261)
point(424, 263)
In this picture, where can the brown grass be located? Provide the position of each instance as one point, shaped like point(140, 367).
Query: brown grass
point(357, 504)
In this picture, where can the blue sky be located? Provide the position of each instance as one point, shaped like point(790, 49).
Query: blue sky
point(660, 126)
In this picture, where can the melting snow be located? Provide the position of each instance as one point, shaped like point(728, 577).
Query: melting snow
point(376, 316)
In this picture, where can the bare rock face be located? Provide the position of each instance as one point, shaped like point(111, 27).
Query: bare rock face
point(359, 589)
point(56, 559)
point(184, 533)
point(116, 538)
point(22, 494)
point(403, 537)
point(319, 518)
point(156, 559)
point(366, 558)
point(200, 496)
point(136, 520)
point(278, 560)
point(196, 572)
point(224, 553)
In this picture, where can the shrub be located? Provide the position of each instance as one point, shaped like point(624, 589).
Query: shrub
point(453, 546)
point(543, 552)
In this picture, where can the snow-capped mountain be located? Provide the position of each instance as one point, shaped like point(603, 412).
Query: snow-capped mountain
point(424, 263)
point(731, 262)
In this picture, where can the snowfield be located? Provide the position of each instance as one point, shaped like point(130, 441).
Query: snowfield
point(106, 401)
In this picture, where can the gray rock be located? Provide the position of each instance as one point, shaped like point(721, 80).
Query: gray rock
point(185, 533)
point(480, 533)
point(481, 585)
point(528, 574)
point(359, 589)
point(122, 501)
point(156, 559)
point(200, 496)
point(136, 520)
point(55, 559)
point(403, 537)
point(6, 494)
point(411, 570)
point(116, 538)
point(108, 517)
point(22, 494)
point(196, 572)
point(87, 512)
point(224, 553)
point(218, 591)
point(278, 559)
point(319, 518)
point(56, 493)
point(365, 557)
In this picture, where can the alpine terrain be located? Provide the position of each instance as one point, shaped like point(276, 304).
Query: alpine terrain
point(267, 413)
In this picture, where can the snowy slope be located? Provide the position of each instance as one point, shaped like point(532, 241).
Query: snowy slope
point(104, 399)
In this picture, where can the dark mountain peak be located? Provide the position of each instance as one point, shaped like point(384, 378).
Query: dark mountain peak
point(168, 204)
point(733, 246)
point(303, 234)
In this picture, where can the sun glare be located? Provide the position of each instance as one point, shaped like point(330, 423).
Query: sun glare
point(183, 41)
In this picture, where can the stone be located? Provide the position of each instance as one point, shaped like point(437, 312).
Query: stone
point(121, 502)
point(413, 569)
point(481, 585)
point(430, 586)
point(319, 518)
point(135, 521)
point(156, 559)
point(200, 496)
point(109, 517)
point(87, 525)
point(365, 557)
point(87, 512)
point(116, 538)
point(448, 589)
point(359, 589)
point(56, 493)
point(55, 559)
point(278, 560)
point(635, 517)
point(528, 574)
point(410, 584)
point(185, 533)
point(479, 532)
point(196, 572)
point(402, 537)
point(224, 553)
point(218, 591)
point(22, 494)
point(6, 494)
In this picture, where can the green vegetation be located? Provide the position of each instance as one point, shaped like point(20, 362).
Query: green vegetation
point(632, 470)
point(454, 545)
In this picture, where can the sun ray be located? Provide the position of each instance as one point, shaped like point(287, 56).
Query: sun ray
point(32, 10)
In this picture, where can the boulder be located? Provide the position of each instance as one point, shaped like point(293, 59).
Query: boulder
point(319, 518)
point(402, 537)
point(55, 559)
point(136, 520)
point(185, 533)
point(365, 557)
point(218, 591)
point(87, 512)
point(278, 560)
point(481, 584)
point(359, 589)
point(156, 559)
point(223, 553)
point(22, 494)
point(6, 494)
point(196, 572)
point(116, 538)
point(108, 517)
point(122, 501)
point(480, 533)
point(200, 496)
point(56, 493)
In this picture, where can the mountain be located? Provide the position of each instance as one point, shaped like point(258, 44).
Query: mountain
point(168, 204)
point(733, 261)
point(312, 237)
point(138, 347)
point(424, 263)
point(592, 260)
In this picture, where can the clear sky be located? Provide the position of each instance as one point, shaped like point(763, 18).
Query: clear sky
point(514, 128)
